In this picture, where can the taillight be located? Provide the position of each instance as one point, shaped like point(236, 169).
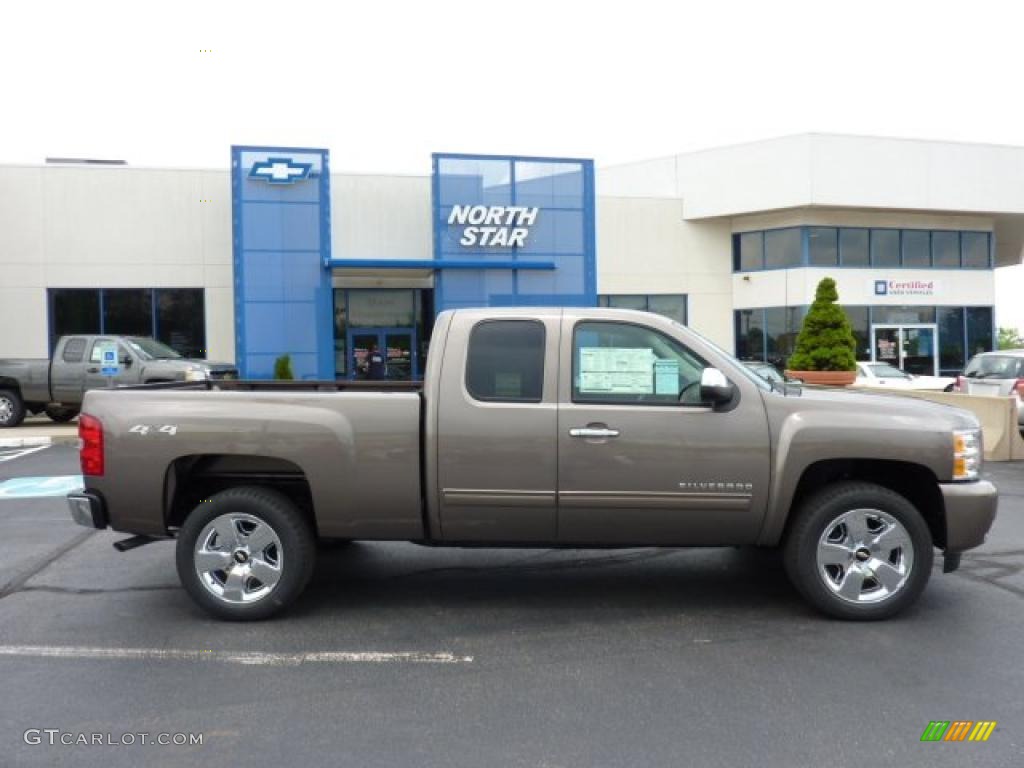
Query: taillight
point(90, 454)
point(961, 383)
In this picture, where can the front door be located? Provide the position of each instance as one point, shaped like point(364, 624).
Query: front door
point(641, 460)
point(911, 348)
point(128, 373)
point(396, 344)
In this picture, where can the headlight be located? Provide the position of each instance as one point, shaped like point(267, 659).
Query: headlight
point(966, 454)
point(195, 374)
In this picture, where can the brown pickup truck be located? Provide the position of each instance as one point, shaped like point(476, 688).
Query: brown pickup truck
point(539, 428)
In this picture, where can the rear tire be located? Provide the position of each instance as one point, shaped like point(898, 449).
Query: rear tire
point(61, 414)
point(12, 408)
point(246, 554)
point(858, 551)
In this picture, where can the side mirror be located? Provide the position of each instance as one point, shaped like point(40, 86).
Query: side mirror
point(714, 387)
point(126, 361)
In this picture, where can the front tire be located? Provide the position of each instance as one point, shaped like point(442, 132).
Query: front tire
point(245, 554)
point(858, 551)
point(12, 408)
point(61, 414)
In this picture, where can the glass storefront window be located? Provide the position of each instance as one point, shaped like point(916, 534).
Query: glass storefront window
point(902, 315)
point(783, 248)
point(381, 308)
point(823, 246)
point(885, 247)
point(672, 306)
point(853, 247)
point(979, 330)
point(750, 251)
point(74, 310)
point(128, 312)
point(340, 333)
point(975, 249)
point(624, 301)
point(916, 248)
point(951, 340)
point(860, 321)
point(181, 321)
point(946, 249)
point(750, 334)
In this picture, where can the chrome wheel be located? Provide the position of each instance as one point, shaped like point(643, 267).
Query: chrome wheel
point(238, 558)
point(865, 556)
point(6, 409)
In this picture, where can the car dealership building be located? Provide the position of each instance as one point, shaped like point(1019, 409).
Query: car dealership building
point(281, 254)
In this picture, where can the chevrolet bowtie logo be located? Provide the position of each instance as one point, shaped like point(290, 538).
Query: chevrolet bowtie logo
point(280, 170)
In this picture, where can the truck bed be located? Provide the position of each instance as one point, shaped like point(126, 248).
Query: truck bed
point(356, 445)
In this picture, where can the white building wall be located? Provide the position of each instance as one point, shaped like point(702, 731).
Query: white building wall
point(95, 227)
point(381, 217)
point(644, 246)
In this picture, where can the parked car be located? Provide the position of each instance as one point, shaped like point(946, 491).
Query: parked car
point(996, 374)
point(890, 377)
point(57, 385)
point(766, 371)
point(579, 427)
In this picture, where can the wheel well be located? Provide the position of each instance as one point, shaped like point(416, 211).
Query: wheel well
point(8, 383)
point(190, 479)
point(914, 482)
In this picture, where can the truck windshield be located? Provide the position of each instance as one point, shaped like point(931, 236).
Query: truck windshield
point(151, 349)
point(746, 372)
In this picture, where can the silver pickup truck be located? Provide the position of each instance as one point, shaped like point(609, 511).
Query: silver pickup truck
point(540, 428)
point(57, 385)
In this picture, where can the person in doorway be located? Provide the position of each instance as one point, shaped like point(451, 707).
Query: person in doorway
point(376, 367)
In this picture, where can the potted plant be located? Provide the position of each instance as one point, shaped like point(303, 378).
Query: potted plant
point(826, 348)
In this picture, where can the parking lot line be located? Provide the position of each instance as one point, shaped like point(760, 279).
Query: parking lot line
point(257, 658)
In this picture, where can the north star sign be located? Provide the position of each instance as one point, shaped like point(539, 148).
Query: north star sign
point(493, 226)
point(280, 170)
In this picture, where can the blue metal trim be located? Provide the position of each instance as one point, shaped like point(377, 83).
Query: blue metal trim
point(436, 264)
point(152, 312)
point(236, 255)
point(103, 312)
point(435, 210)
point(525, 158)
point(325, 293)
point(589, 223)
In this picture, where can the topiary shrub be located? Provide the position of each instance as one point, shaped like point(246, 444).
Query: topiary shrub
point(826, 341)
point(283, 368)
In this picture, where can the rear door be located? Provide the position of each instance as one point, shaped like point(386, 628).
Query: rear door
point(67, 369)
point(641, 460)
point(496, 435)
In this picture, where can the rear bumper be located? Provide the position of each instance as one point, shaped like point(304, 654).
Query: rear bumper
point(87, 509)
point(970, 510)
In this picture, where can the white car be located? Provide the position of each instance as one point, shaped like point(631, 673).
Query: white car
point(890, 377)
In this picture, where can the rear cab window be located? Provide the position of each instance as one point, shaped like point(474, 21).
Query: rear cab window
point(74, 350)
point(505, 361)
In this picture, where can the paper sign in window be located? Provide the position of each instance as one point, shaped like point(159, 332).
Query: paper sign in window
point(616, 370)
point(666, 377)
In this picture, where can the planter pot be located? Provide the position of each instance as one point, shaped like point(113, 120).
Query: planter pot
point(824, 378)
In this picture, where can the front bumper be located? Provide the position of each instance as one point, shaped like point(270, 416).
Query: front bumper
point(87, 509)
point(970, 510)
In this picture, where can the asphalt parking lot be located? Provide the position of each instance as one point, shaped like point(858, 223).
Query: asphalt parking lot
point(402, 655)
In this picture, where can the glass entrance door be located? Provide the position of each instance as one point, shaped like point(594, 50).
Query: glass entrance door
point(397, 345)
point(911, 348)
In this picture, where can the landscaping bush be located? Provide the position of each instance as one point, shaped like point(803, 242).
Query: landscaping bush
point(283, 368)
point(826, 341)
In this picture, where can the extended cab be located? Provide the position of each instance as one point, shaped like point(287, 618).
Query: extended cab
point(57, 385)
point(539, 428)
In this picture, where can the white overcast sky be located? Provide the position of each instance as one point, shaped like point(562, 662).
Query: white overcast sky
point(384, 84)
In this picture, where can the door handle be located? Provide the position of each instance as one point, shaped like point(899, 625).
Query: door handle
point(593, 432)
point(94, 370)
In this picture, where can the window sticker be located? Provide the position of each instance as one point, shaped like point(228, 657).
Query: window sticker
point(666, 377)
point(616, 370)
